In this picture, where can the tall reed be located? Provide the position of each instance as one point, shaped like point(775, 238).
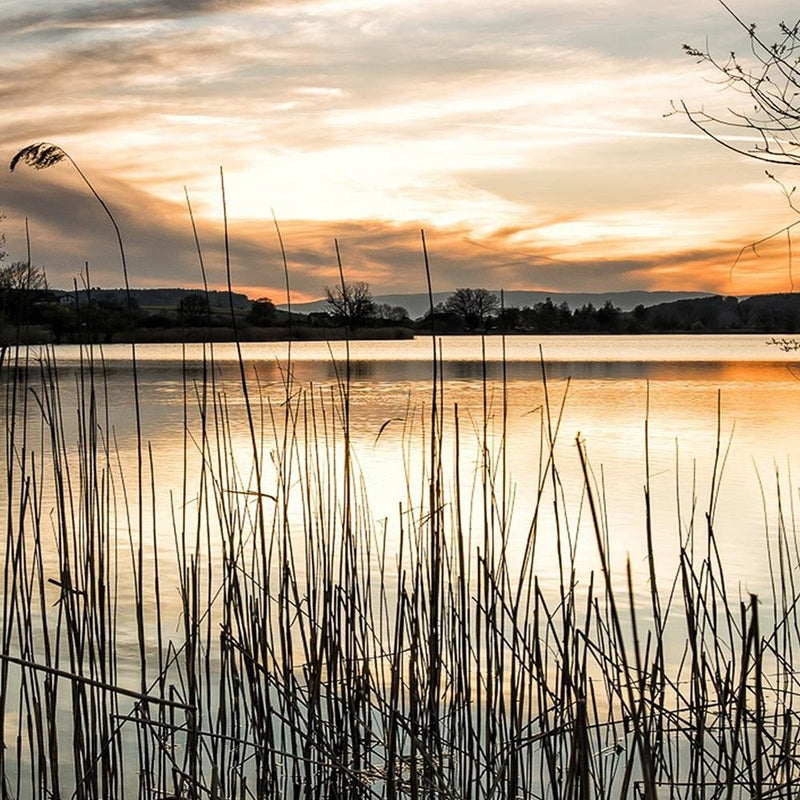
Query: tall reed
point(316, 652)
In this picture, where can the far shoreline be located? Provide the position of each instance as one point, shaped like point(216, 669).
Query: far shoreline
point(37, 335)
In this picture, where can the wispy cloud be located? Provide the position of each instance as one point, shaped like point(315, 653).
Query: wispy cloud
point(525, 125)
point(45, 17)
point(69, 228)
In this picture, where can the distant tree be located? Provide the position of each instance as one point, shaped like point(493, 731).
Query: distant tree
point(21, 276)
point(442, 321)
point(474, 306)
point(509, 319)
point(391, 313)
point(547, 317)
point(585, 318)
point(60, 319)
point(608, 317)
point(262, 312)
point(351, 303)
point(21, 285)
point(103, 317)
point(193, 309)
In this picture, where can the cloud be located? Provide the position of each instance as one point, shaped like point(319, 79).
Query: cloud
point(68, 228)
point(528, 127)
point(46, 17)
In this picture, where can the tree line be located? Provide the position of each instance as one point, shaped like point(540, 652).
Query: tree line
point(29, 306)
point(470, 310)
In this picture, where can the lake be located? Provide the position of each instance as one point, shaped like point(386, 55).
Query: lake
point(610, 386)
point(326, 527)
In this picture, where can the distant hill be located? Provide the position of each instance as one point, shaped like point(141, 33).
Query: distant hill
point(160, 298)
point(761, 312)
point(417, 304)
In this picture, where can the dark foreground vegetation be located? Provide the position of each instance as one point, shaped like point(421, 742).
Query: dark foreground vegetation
point(265, 637)
point(293, 646)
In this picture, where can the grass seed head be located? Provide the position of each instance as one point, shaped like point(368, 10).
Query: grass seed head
point(39, 156)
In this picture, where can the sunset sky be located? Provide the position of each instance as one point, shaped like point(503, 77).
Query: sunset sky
point(528, 138)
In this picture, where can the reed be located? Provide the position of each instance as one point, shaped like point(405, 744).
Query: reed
point(315, 652)
point(310, 657)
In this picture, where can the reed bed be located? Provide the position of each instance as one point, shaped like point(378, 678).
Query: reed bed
point(317, 652)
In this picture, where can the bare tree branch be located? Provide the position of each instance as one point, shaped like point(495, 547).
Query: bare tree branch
point(350, 303)
point(768, 80)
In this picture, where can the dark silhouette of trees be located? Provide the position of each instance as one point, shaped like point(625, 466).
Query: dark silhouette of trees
point(21, 276)
point(60, 320)
point(547, 317)
point(775, 313)
point(21, 285)
point(100, 319)
point(442, 321)
point(107, 317)
point(768, 80)
point(585, 318)
point(350, 304)
point(543, 317)
point(391, 313)
point(608, 316)
point(193, 309)
point(708, 314)
point(262, 313)
point(474, 306)
point(509, 319)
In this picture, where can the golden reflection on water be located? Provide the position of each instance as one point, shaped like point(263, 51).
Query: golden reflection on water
point(684, 387)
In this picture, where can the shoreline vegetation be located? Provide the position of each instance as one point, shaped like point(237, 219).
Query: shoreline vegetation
point(42, 316)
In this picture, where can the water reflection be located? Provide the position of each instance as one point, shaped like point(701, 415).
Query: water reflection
point(271, 372)
point(607, 402)
point(492, 463)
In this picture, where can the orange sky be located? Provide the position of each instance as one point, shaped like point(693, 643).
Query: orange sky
point(527, 137)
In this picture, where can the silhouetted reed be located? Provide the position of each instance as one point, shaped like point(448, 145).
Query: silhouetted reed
point(313, 659)
point(315, 652)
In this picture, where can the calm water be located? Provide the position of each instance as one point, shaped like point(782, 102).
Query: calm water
point(695, 396)
point(609, 387)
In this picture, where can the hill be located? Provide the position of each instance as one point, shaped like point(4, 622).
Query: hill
point(159, 298)
point(770, 313)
